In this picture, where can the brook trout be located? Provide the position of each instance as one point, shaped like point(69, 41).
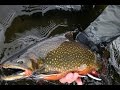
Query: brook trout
point(53, 58)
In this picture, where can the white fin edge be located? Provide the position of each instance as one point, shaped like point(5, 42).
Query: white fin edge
point(82, 76)
point(98, 79)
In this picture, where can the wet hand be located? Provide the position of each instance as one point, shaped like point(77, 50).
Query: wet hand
point(72, 77)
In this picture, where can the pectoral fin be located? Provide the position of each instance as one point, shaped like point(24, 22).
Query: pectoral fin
point(51, 76)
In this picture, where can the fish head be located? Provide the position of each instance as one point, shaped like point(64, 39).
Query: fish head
point(23, 67)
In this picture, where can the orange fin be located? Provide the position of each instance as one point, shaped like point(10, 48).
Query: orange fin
point(85, 71)
point(52, 76)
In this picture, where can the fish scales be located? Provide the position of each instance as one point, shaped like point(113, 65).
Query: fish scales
point(68, 56)
point(54, 57)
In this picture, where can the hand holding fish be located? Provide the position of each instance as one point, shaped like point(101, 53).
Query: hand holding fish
point(56, 58)
point(75, 77)
point(72, 77)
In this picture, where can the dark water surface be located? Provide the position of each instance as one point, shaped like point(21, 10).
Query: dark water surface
point(72, 18)
point(27, 29)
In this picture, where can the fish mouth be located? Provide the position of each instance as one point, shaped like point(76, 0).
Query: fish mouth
point(15, 72)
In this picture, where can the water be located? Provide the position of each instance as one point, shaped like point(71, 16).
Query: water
point(33, 23)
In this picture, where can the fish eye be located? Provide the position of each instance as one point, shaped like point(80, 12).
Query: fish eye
point(20, 62)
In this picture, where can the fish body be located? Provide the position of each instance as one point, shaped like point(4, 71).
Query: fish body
point(68, 57)
point(54, 58)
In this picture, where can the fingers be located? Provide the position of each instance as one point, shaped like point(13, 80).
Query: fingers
point(75, 76)
point(70, 77)
point(63, 80)
point(79, 81)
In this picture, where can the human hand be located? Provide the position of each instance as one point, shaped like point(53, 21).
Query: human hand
point(72, 77)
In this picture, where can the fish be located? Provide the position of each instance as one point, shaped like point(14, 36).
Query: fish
point(54, 58)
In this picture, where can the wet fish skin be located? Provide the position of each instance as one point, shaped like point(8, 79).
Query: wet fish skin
point(57, 55)
point(70, 56)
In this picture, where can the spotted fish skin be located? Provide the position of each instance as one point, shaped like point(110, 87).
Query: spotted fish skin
point(53, 58)
point(70, 56)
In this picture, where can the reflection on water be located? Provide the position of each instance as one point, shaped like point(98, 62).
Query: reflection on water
point(27, 29)
point(71, 18)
